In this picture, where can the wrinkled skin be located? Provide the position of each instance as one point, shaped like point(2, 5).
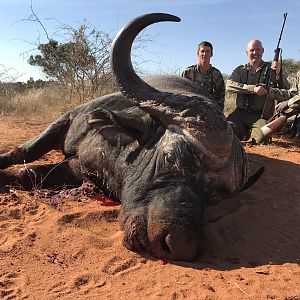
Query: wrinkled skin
point(162, 148)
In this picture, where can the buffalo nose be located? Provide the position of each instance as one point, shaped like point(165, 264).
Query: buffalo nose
point(177, 246)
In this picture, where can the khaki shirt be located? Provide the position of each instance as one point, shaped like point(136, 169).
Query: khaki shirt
point(242, 82)
point(294, 102)
point(212, 81)
point(292, 95)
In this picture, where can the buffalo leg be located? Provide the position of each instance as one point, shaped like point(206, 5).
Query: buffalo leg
point(41, 176)
point(51, 138)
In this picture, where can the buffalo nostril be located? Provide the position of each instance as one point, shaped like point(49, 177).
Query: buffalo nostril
point(180, 246)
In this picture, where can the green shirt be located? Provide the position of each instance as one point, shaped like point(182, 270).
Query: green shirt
point(211, 80)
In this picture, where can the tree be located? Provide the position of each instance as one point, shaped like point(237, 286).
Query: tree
point(290, 67)
point(81, 64)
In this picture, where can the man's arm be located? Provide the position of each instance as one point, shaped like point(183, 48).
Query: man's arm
point(219, 94)
point(234, 83)
point(188, 74)
point(280, 94)
point(285, 82)
point(184, 74)
point(284, 94)
point(294, 102)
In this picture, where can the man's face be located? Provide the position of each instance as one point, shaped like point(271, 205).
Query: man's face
point(255, 52)
point(204, 55)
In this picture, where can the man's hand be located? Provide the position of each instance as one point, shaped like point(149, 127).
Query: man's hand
point(275, 66)
point(260, 90)
point(281, 107)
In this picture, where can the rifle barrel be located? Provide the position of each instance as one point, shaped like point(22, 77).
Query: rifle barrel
point(284, 18)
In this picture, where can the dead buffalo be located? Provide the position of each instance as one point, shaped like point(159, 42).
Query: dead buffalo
point(163, 148)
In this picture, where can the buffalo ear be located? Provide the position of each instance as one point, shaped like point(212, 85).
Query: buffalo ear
point(122, 126)
point(104, 123)
point(136, 120)
point(99, 118)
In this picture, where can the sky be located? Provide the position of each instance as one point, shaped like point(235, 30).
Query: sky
point(227, 24)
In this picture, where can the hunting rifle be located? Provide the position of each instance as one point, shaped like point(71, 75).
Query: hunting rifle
point(270, 80)
point(270, 75)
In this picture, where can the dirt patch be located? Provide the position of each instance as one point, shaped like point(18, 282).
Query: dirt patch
point(71, 247)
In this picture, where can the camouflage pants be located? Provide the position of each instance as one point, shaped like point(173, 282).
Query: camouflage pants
point(248, 122)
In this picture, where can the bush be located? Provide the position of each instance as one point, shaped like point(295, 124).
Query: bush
point(44, 104)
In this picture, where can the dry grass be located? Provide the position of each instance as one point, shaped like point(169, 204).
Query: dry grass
point(39, 105)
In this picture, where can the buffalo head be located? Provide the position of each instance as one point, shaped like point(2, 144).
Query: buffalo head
point(194, 161)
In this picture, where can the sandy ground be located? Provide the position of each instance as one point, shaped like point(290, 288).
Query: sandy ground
point(72, 248)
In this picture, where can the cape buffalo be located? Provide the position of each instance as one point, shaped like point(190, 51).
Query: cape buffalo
point(162, 147)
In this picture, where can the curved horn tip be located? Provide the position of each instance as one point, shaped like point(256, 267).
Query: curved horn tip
point(159, 17)
point(120, 55)
point(170, 17)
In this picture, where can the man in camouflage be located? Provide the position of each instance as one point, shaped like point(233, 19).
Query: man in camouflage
point(254, 101)
point(207, 76)
point(292, 105)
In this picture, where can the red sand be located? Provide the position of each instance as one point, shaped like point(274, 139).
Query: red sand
point(73, 250)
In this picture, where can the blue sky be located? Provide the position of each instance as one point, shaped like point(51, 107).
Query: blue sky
point(228, 24)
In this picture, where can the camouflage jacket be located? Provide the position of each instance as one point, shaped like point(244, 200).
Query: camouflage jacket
point(294, 102)
point(242, 82)
point(292, 95)
point(212, 81)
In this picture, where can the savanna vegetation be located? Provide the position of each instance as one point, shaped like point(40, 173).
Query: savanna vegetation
point(76, 71)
